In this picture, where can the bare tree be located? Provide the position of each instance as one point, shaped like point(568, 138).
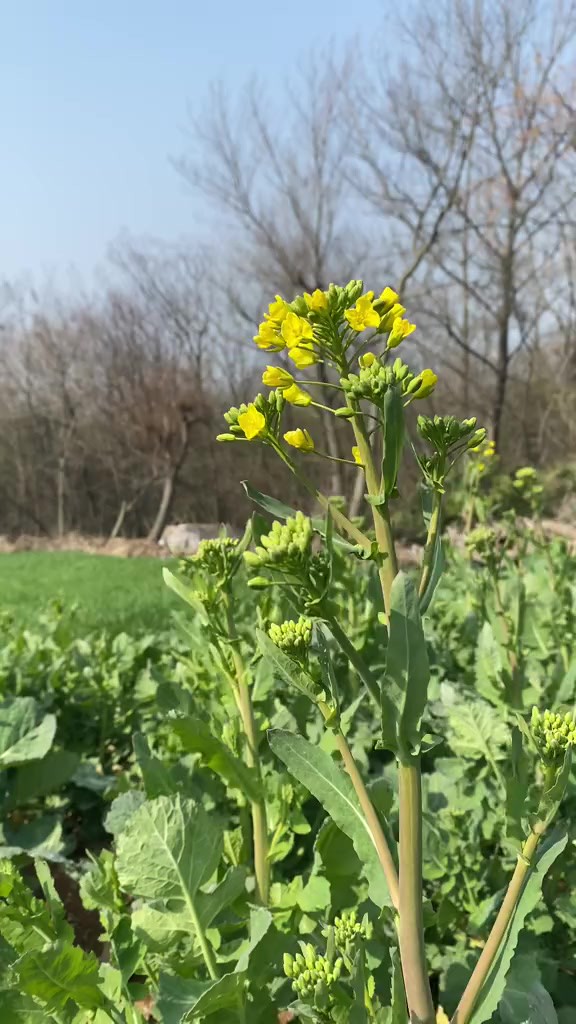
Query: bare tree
point(469, 154)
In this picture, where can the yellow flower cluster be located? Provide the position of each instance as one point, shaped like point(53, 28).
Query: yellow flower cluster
point(384, 314)
point(283, 328)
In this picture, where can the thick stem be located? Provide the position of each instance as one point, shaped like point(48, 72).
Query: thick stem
point(411, 925)
point(523, 867)
point(372, 820)
point(258, 808)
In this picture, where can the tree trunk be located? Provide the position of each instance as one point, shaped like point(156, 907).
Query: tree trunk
point(164, 507)
point(60, 482)
point(119, 521)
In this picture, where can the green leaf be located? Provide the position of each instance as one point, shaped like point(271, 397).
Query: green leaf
point(41, 837)
point(210, 904)
point(156, 775)
point(37, 778)
point(286, 667)
point(184, 1000)
point(399, 1013)
point(59, 974)
point(358, 1013)
point(121, 810)
point(438, 559)
point(18, 1008)
point(168, 849)
point(316, 770)
point(186, 592)
point(22, 737)
point(197, 737)
point(476, 730)
point(276, 509)
point(407, 671)
point(525, 1000)
point(260, 923)
point(493, 988)
point(393, 439)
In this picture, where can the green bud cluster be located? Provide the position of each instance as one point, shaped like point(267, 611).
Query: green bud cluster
point(270, 406)
point(312, 976)
point(287, 546)
point(553, 734)
point(347, 929)
point(373, 381)
point(526, 481)
point(293, 637)
point(214, 557)
point(446, 432)
point(482, 541)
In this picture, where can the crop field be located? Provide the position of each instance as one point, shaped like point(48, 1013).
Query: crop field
point(285, 779)
point(97, 592)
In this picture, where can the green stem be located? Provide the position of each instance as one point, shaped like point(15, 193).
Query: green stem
point(259, 816)
point(372, 820)
point(355, 659)
point(431, 542)
point(207, 951)
point(380, 514)
point(411, 924)
point(514, 891)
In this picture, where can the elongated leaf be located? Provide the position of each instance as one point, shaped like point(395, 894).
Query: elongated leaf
point(196, 737)
point(393, 439)
point(316, 770)
point(399, 1013)
point(168, 849)
point(407, 662)
point(438, 560)
point(358, 1013)
point(494, 985)
point(186, 592)
point(183, 1000)
point(272, 506)
point(22, 737)
point(156, 775)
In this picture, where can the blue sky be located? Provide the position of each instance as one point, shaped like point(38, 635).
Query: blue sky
point(93, 102)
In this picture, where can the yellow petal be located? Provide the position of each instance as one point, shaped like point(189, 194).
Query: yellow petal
point(252, 422)
point(296, 396)
point(276, 377)
point(299, 439)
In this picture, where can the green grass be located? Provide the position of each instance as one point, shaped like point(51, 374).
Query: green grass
point(110, 593)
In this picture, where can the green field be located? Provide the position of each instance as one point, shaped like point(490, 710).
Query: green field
point(110, 593)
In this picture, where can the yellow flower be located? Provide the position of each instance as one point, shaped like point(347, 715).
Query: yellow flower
point(400, 330)
point(387, 298)
point(300, 439)
point(441, 1017)
point(367, 359)
point(268, 337)
point(276, 377)
point(356, 455)
point(303, 356)
point(252, 422)
point(426, 382)
point(296, 329)
point(277, 310)
point(296, 396)
point(317, 301)
point(387, 321)
point(363, 315)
